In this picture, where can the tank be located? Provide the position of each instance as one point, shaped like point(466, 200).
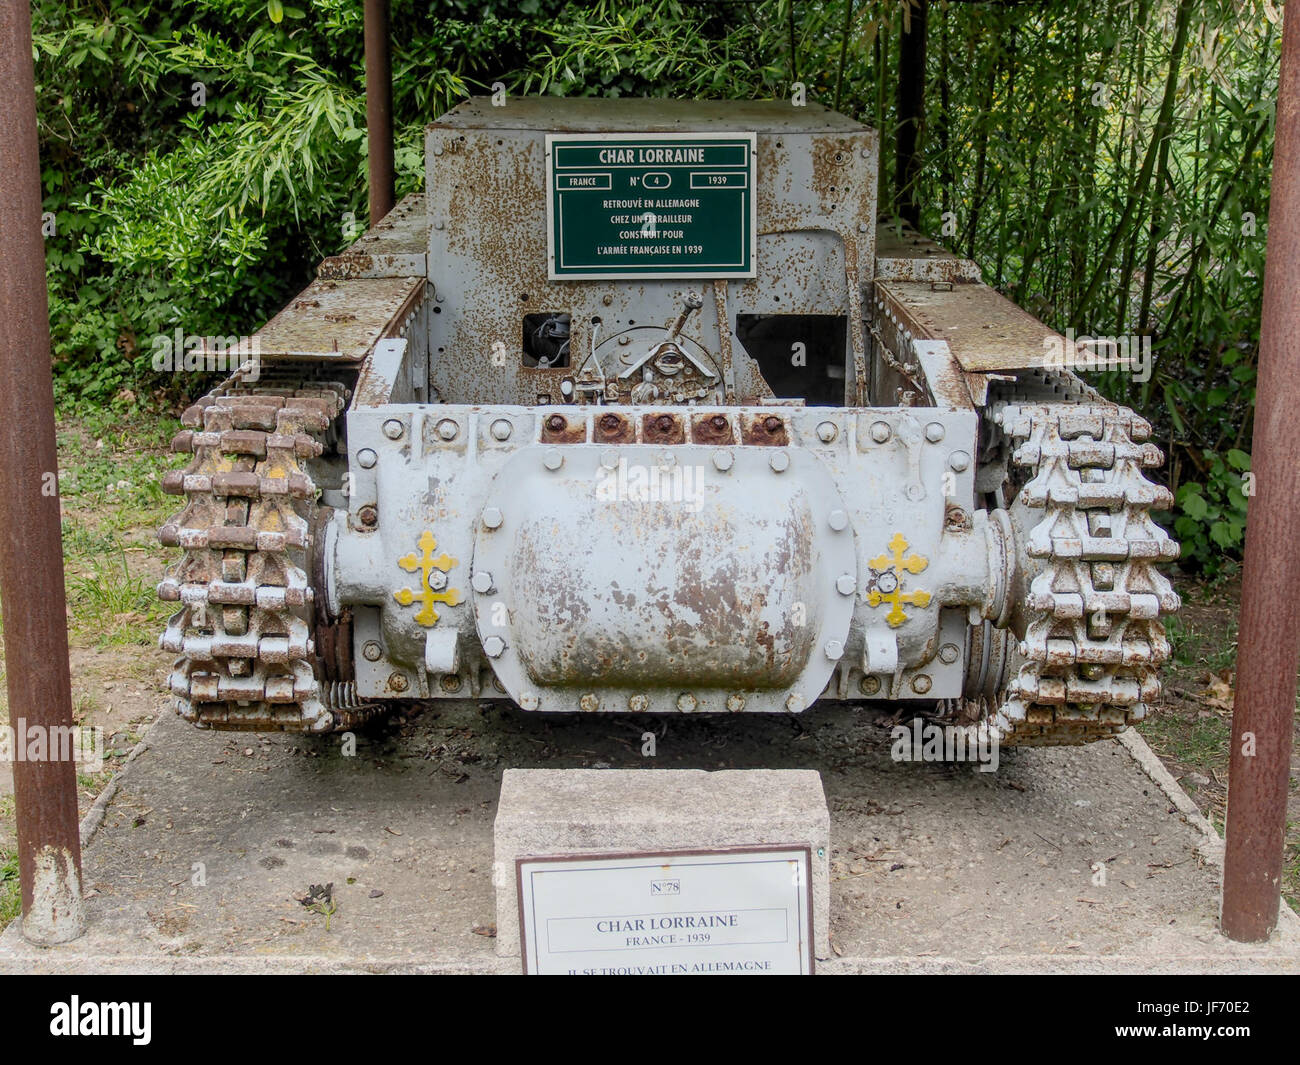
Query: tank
point(638, 409)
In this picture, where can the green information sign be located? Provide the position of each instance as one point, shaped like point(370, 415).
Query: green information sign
point(633, 206)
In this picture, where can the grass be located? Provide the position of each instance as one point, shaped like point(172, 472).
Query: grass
point(113, 606)
point(10, 897)
point(111, 486)
point(1201, 743)
point(11, 902)
point(1195, 644)
point(1291, 865)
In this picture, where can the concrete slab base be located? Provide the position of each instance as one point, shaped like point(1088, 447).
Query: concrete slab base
point(550, 812)
point(210, 842)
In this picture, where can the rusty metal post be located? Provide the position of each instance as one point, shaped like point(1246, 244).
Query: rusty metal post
point(1263, 710)
point(379, 109)
point(31, 551)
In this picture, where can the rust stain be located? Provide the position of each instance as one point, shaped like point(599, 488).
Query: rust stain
point(663, 428)
point(764, 430)
point(563, 429)
point(614, 428)
point(712, 429)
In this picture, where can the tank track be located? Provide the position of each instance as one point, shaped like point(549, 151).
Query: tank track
point(1092, 640)
point(247, 628)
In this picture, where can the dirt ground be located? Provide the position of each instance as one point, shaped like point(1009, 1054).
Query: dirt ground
point(110, 477)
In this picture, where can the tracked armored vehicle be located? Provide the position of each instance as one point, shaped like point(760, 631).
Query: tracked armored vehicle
point(636, 409)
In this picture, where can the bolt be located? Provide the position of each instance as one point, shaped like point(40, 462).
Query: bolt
point(450, 682)
point(366, 458)
point(610, 422)
point(566, 387)
point(955, 517)
point(482, 581)
point(638, 703)
point(589, 702)
point(494, 646)
point(735, 703)
point(834, 650)
point(839, 520)
point(959, 460)
point(920, 684)
point(779, 461)
point(664, 423)
point(371, 651)
point(934, 432)
point(369, 516)
point(845, 584)
point(607, 300)
point(501, 429)
point(772, 423)
point(553, 460)
point(686, 702)
point(556, 423)
point(447, 429)
point(869, 685)
point(437, 580)
point(879, 432)
point(826, 432)
point(949, 653)
point(398, 682)
point(529, 701)
point(393, 429)
point(794, 702)
point(492, 518)
point(722, 460)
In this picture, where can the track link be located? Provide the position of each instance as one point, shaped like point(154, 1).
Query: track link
point(244, 630)
point(1093, 640)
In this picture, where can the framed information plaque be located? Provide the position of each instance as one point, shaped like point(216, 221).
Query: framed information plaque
point(634, 206)
point(667, 913)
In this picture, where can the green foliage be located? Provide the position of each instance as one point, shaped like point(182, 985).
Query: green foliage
point(1106, 162)
point(1082, 205)
point(1212, 518)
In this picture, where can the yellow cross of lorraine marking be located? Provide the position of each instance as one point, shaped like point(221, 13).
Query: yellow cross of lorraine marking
point(426, 596)
point(897, 563)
